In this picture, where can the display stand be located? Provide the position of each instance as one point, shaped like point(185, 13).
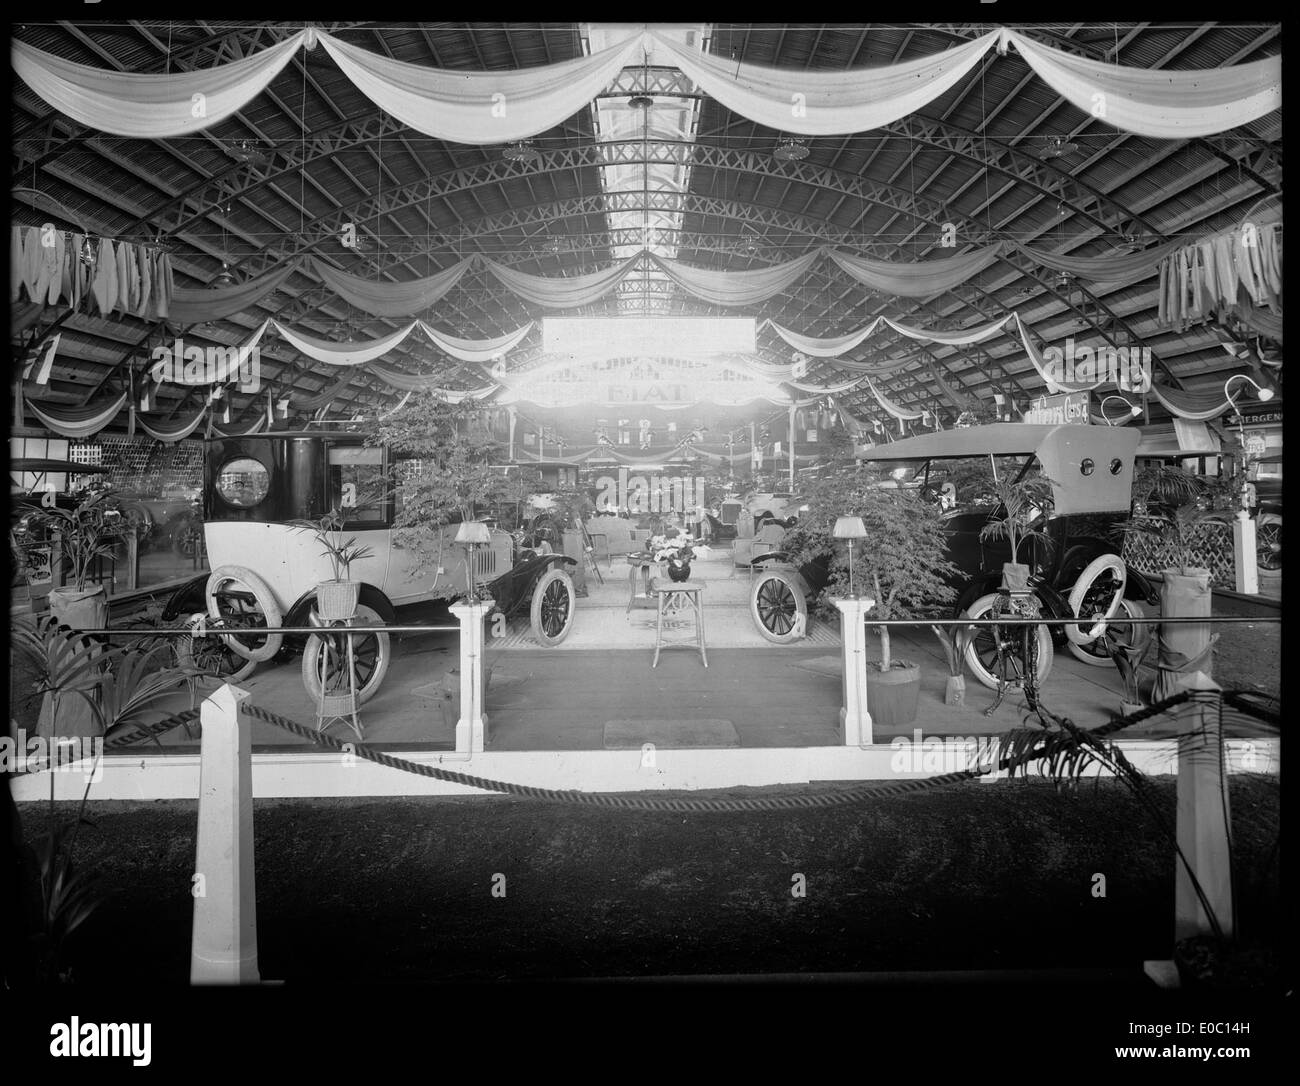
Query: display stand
point(332, 708)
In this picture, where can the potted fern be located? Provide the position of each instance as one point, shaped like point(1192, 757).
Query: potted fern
point(955, 641)
point(336, 600)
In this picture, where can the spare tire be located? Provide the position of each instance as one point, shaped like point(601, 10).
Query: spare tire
point(217, 592)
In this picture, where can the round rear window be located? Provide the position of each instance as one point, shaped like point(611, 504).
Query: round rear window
point(243, 482)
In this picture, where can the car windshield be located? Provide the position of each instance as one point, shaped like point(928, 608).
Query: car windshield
point(969, 482)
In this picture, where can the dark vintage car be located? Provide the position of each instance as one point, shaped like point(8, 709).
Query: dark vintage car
point(1078, 574)
point(265, 570)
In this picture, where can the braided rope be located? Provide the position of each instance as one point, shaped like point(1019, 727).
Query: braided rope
point(635, 801)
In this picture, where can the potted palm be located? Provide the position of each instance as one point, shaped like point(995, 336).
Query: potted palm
point(1020, 505)
point(955, 641)
point(86, 533)
point(336, 600)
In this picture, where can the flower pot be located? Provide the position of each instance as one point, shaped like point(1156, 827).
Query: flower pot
point(337, 600)
point(955, 692)
point(892, 695)
point(1183, 647)
point(80, 608)
point(679, 569)
point(1015, 577)
point(1130, 708)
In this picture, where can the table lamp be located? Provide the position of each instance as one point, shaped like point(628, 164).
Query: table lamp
point(850, 528)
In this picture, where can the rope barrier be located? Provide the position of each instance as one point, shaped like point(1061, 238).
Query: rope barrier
point(622, 801)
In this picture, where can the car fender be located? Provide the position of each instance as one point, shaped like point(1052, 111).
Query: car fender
point(1139, 587)
point(189, 598)
point(371, 596)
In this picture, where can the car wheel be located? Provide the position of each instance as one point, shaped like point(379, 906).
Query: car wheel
point(1094, 652)
point(1097, 594)
point(371, 655)
point(554, 603)
point(239, 598)
point(996, 651)
point(213, 657)
point(778, 607)
point(1268, 541)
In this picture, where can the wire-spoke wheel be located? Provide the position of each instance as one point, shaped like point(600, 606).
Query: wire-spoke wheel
point(1127, 634)
point(211, 655)
point(240, 600)
point(1097, 595)
point(1268, 541)
point(998, 652)
point(554, 603)
point(371, 655)
point(778, 606)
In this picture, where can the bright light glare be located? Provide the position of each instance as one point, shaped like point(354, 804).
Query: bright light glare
point(591, 338)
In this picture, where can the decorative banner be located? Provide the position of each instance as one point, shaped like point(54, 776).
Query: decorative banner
point(171, 432)
point(78, 422)
point(1069, 407)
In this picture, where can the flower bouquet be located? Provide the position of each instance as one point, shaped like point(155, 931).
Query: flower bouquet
point(677, 551)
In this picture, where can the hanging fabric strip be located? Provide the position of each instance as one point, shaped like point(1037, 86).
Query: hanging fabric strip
point(897, 410)
point(962, 338)
point(828, 347)
point(1167, 104)
point(820, 103)
point(737, 287)
point(843, 386)
point(1107, 268)
point(480, 107)
point(171, 432)
point(198, 305)
point(382, 299)
point(343, 354)
point(195, 365)
point(1198, 405)
point(150, 106)
point(921, 279)
point(569, 293)
point(475, 350)
point(78, 422)
point(956, 399)
point(326, 395)
point(255, 428)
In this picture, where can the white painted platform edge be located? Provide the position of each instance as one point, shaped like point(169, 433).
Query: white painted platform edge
point(318, 774)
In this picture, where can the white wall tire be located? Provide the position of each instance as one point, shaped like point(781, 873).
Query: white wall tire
point(555, 601)
point(981, 654)
point(1092, 653)
point(224, 579)
point(373, 653)
point(778, 607)
point(1100, 591)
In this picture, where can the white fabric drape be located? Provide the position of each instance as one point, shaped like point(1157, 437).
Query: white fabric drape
point(77, 422)
point(561, 293)
point(344, 354)
point(384, 299)
point(920, 279)
point(170, 433)
point(480, 107)
point(145, 105)
point(1169, 104)
point(475, 350)
point(183, 372)
point(738, 287)
point(818, 103)
point(899, 412)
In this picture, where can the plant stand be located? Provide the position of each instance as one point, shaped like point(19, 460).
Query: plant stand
point(1018, 604)
point(332, 708)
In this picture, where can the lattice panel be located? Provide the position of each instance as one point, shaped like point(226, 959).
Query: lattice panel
point(1210, 547)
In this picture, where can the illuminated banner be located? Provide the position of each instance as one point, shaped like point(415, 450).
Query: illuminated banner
point(628, 337)
point(1068, 407)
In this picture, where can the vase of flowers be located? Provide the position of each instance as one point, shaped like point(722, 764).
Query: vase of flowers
point(676, 551)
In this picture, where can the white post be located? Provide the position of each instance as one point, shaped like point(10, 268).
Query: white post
point(514, 415)
point(223, 948)
point(855, 720)
point(472, 724)
point(1245, 559)
point(1202, 820)
point(790, 435)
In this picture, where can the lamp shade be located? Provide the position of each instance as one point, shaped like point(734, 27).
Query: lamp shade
point(849, 528)
point(473, 531)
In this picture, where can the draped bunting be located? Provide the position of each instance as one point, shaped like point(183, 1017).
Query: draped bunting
point(956, 399)
point(480, 107)
point(738, 287)
point(255, 428)
point(899, 412)
point(178, 430)
point(78, 422)
point(1107, 268)
point(497, 107)
point(344, 354)
point(476, 350)
point(198, 305)
point(818, 103)
point(561, 293)
point(326, 395)
point(1199, 405)
point(427, 383)
point(150, 106)
point(1166, 104)
point(391, 299)
point(181, 372)
point(920, 279)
